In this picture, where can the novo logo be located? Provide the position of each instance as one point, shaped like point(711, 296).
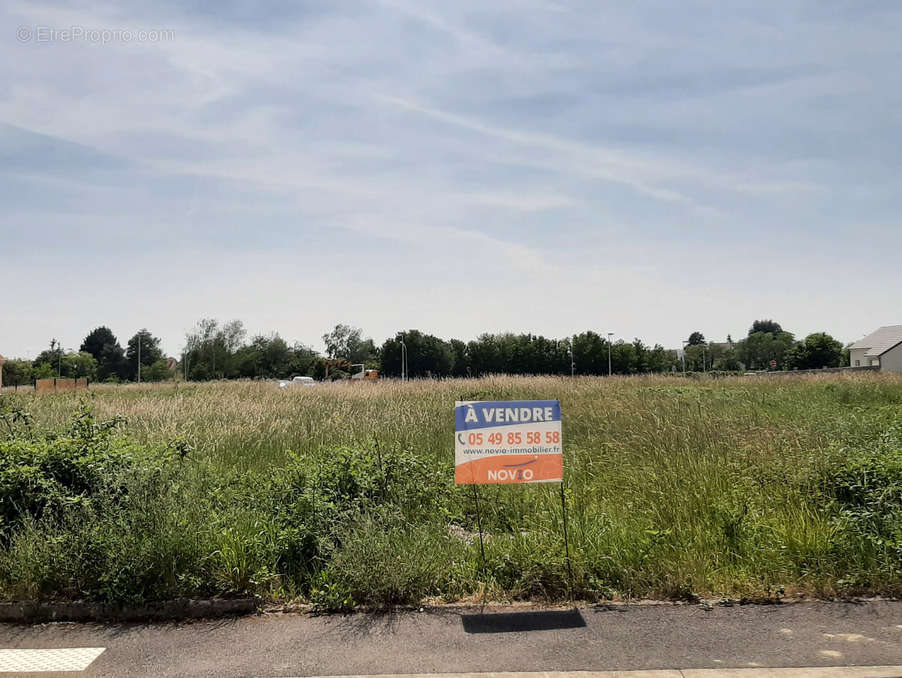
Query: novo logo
point(513, 472)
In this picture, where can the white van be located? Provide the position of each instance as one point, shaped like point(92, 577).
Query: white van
point(298, 381)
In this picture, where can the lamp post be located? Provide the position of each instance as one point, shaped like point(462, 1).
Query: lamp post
point(572, 361)
point(59, 362)
point(610, 334)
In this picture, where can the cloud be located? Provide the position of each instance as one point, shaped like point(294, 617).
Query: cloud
point(616, 164)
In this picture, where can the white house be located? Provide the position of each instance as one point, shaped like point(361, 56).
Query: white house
point(882, 348)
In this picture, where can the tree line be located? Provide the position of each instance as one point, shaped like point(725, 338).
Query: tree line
point(766, 347)
point(215, 350)
point(99, 358)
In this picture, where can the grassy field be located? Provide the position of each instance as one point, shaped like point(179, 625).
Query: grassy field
point(343, 494)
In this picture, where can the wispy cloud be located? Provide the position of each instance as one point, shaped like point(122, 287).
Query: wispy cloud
point(626, 162)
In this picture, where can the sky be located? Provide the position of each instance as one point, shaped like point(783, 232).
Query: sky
point(643, 168)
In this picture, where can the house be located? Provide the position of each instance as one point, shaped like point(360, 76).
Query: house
point(882, 349)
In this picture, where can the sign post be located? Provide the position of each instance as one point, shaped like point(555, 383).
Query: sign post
point(509, 442)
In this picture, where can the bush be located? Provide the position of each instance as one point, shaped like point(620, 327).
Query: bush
point(89, 514)
point(867, 497)
point(384, 561)
point(43, 477)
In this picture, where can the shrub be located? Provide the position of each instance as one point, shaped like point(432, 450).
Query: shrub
point(44, 476)
point(867, 498)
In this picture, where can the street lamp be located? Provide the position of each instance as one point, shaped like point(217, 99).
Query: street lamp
point(610, 334)
point(572, 361)
point(59, 361)
point(403, 360)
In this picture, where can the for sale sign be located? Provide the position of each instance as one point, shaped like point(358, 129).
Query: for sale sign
point(514, 441)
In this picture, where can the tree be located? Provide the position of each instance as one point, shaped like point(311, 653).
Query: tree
point(461, 365)
point(43, 371)
point(96, 340)
point(17, 372)
point(590, 353)
point(54, 362)
point(767, 326)
point(696, 357)
point(696, 339)
point(150, 352)
point(102, 344)
point(758, 349)
point(52, 357)
point(427, 356)
point(814, 352)
point(485, 356)
point(724, 357)
point(78, 365)
point(271, 357)
point(347, 343)
point(660, 360)
point(211, 350)
point(157, 371)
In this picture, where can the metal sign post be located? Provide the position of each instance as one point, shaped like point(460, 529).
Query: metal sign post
point(566, 543)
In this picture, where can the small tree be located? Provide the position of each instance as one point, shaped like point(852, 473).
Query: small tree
point(17, 372)
point(818, 350)
point(150, 352)
point(158, 371)
point(102, 344)
point(347, 343)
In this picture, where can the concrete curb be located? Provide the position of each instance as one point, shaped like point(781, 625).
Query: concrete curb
point(31, 612)
point(180, 608)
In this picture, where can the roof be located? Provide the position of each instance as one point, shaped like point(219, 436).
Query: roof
point(879, 342)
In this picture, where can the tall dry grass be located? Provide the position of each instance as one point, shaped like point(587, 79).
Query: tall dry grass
point(676, 487)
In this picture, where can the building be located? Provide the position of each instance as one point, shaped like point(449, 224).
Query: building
point(882, 349)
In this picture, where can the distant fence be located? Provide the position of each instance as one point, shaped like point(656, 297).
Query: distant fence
point(60, 385)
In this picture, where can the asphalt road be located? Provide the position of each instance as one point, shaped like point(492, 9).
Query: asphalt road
point(454, 640)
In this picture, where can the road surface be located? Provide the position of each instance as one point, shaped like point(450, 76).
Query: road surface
point(502, 640)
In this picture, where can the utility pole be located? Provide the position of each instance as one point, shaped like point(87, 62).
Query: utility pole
point(139, 356)
point(572, 361)
point(685, 342)
point(610, 334)
point(403, 360)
